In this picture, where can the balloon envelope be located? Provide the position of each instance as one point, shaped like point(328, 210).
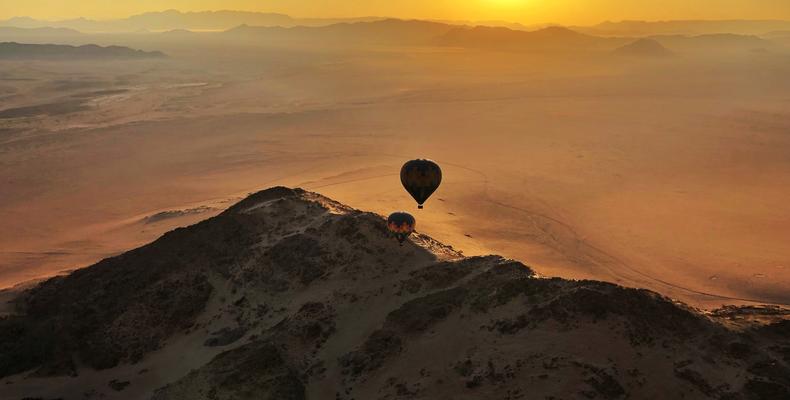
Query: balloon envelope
point(401, 224)
point(421, 178)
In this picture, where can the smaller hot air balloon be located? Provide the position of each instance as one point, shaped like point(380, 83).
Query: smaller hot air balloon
point(421, 178)
point(401, 224)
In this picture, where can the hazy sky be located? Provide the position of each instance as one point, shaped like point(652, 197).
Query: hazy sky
point(527, 11)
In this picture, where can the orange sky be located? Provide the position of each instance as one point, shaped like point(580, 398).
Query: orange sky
point(525, 11)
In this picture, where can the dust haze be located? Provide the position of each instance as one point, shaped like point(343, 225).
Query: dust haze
point(653, 159)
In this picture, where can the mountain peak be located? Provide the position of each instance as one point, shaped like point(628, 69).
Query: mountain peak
point(558, 30)
point(291, 295)
point(644, 48)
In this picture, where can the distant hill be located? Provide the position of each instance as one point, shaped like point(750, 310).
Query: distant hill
point(647, 48)
point(289, 295)
point(418, 32)
point(12, 50)
point(38, 35)
point(272, 28)
point(684, 27)
point(777, 34)
point(496, 23)
point(713, 42)
point(216, 20)
point(551, 38)
point(6, 31)
point(554, 38)
point(388, 31)
point(174, 19)
point(226, 19)
point(178, 32)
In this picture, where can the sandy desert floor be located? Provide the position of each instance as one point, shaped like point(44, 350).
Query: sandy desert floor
point(669, 175)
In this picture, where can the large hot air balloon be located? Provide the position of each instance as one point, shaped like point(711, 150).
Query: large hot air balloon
point(401, 224)
point(421, 178)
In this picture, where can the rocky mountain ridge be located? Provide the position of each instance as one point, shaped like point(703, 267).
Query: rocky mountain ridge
point(291, 295)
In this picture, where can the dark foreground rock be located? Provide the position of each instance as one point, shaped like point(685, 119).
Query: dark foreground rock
point(290, 295)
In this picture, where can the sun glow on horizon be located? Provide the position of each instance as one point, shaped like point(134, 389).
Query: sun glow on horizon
point(524, 11)
point(504, 3)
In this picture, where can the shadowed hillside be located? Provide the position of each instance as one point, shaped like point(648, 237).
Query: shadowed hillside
point(713, 42)
point(11, 50)
point(389, 31)
point(9, 31)
point(290, 295)
point(644, 48)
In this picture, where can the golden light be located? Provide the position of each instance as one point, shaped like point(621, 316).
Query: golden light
point(505, 3)
point(512, 10)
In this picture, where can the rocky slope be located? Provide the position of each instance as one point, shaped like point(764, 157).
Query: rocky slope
point(290, 295)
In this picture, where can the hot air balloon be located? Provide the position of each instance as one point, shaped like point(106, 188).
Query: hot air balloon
point(401, 224)
point(421, 178)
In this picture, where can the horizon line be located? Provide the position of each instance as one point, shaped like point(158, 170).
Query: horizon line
point(430, 19)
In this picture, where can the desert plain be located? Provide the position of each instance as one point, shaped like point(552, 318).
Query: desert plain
point(666, 173)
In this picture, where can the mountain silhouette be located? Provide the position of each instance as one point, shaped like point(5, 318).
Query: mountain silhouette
point(291, 295)
point(685, 27)
point(43, 31)
point(644, 48)
point(174, 19)
point(388, 31)
point(551, 38)
point(13, 50)
point(724, 42)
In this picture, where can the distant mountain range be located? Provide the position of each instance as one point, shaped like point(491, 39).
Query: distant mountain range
point(11, 50)
point(173, 19)
point(215, 21)
point(416, 32)
point(11, 31)
point(556, 38)
point(713, 42)
point(277, 28)
point(687, 27)
point(289, 295)
point(227, 19)
point(378, 32)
